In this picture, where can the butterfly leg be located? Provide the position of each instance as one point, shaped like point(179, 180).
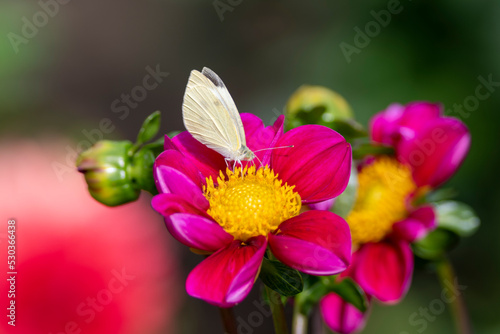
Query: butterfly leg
point(234, 166)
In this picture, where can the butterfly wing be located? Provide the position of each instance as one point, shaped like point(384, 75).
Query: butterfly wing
point(210, 114)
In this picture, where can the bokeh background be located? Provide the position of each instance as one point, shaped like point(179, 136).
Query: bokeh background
point(62, 78)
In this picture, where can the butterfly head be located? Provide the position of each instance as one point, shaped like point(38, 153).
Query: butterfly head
point(245, 154)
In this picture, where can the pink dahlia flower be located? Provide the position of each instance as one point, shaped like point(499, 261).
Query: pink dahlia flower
point(235, 215)
point(433, 146)
point(428, 150)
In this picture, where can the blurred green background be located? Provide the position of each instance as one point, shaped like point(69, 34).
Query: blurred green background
point(65, 76)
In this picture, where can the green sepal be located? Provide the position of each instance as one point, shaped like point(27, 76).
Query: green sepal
point(457, 217)
point(149, 128)
point(142, 166)
point(362, 150)
point(281, 278)
point(351, 293)
point(347, 289)
point(436, 244)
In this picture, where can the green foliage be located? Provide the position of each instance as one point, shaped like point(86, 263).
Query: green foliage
point(435, 245)
point(351, 293)
point(364, 149)
point(149, 128)
point(457, 217)
point(345, 288)
point(281, 278)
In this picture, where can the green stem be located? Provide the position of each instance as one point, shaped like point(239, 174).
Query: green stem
point(300, 320)
point(448, 280)
point(228, 321)
point(278, 311)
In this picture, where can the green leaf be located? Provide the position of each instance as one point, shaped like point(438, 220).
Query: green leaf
point(345, 201)
point(281, 278)
point(149, 128)
point(362, 150)
point(435, 244)
point(457, 217)
point(351, 293)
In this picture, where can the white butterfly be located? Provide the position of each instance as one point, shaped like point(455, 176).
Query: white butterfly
point(210, 115)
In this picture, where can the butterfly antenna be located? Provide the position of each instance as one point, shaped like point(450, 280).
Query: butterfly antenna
point(260, 162)
point(272, 148)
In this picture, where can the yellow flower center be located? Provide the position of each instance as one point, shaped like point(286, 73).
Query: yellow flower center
point(381, 200)
point(253, 204)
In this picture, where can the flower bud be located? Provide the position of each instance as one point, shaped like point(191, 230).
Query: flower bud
point(316, 105)
point(141, 170)
point(107, 170)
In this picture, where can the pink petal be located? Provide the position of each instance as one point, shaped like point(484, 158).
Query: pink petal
point(208, 162)
point(417, 225)
point(226, 277)
point(418, 115)
point(172, 181)
point(197, 232)
point(259, 137)
point(384, 269)
point(397, 121)
point(277, 130)
point(168, 204)
point(168, 144)
point(318, 165)
point(190, 225)
point(176, 160)
point(314, 242)
point(436, 152)
point(323, 206)
point(341, 316)
point(384, 126)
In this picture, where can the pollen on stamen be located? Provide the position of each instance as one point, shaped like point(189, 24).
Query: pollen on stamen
point(384, 187)
point(253, 205)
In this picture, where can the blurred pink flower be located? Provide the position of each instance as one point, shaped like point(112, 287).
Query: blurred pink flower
point(429, 148)
point(81, 267)
point(434, 146)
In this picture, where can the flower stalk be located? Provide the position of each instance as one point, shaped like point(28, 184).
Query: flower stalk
point(447, 278)
point(228, 322)
point(300, 320)
point(278, 311)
